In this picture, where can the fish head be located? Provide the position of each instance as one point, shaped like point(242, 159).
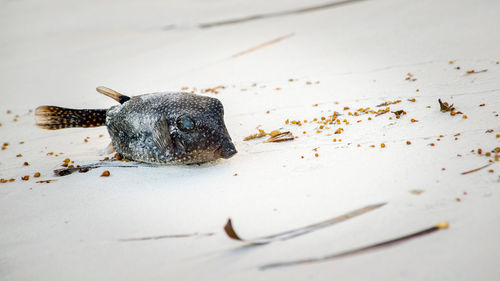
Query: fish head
point(197, 130)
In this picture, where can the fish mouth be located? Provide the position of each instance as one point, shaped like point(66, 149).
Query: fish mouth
point(226, 151)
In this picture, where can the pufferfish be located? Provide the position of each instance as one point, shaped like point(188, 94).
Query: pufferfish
point(157, 128)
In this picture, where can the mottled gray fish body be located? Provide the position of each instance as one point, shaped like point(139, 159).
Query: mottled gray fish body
point(170, 128)
point(158, 128)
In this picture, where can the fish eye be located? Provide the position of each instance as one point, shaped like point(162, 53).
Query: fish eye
point(185, 123)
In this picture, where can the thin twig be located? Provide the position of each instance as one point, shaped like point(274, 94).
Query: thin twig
point(265, 44)
point(167, 236)
point(360, 250)
point(231, 233)
point(477, 169)
point(276, 14)
point(85, 168)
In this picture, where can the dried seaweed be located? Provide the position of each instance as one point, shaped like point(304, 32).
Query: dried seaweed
point(229, 229)
point(359, 250)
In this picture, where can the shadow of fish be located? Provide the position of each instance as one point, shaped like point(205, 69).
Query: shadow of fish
point(158, 128)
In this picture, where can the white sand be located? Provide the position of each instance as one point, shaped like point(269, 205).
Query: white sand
point(58, 52)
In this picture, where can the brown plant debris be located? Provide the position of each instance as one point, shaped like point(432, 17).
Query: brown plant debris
point(472, 71)
point(260, 134)
point(231, 233)
point(416, 191)
point(45, 181)
point(445, 107)
point(280, 136)
point(399, 113)
point(86, 168)
point(360, 250)
point(274, 136)
point(386, 103)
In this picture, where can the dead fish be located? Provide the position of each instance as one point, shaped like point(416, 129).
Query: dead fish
point(157, 128)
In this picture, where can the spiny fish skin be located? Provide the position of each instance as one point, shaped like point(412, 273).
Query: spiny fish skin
point(170, 128)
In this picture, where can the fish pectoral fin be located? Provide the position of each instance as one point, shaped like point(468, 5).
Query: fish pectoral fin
point(161, 136)
point(113, 94)
point(179, 149)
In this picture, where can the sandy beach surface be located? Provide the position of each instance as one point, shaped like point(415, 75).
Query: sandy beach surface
point(335, 74)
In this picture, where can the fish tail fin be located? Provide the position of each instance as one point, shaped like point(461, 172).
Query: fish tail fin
point(55, 118)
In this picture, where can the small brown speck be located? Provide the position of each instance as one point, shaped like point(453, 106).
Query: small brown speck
point(36, 175)
point(26, 164)
point(458, 199)
point(416, 191)
point(19, 155)
point(25, 178)
point(491, 171)
point(105, 174)
point(235, 174)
